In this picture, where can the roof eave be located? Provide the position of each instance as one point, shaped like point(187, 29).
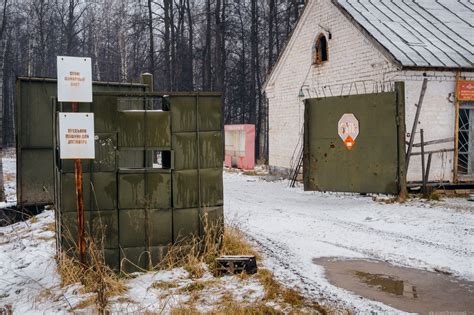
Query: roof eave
point(438, 68)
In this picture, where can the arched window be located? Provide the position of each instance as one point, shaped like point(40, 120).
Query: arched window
point(320, 50)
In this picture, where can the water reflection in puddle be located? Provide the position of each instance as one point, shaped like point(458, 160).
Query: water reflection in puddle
point(407, 289)
point(387, 284)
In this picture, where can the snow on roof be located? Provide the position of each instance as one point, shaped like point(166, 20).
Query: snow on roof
point(419, 33)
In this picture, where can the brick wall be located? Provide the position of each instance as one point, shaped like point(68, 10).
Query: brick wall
point(355, 65)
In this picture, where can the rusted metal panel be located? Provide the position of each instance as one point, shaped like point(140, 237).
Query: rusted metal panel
point(212, 193)
point(103, 193)
point(104, 228)
point(211, 149)
point(131, 158)
point(183, 113)
point(159, 227)
point(105, 152)
point(68, 192)
point(157, 254)
point(105, 114)
point(35, 112)
point(35, 176)
point(131, 190)
point(209, 113)
point(131, 228)
point(372, 163)
point(135, 209)
point(158, 190)
point(69, 230)
point(133, 259)
point(185, 149)
point(132, 129)
point(185, 224)
point(112, 258)
point(36, 119)
point(144, 129)
point(185, 189)
point(211, 219)
point(138, 189)
point(158, 131)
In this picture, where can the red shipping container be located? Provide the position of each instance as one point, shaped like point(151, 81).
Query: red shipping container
point(240, 146)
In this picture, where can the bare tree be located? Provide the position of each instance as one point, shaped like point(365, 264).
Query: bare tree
point(222, 45)
point(2, 66)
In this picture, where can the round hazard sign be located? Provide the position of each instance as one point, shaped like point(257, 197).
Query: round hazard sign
point(348, 129)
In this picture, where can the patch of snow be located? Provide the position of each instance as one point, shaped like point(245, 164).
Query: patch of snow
point(28, 277)
point(292, 227)
point(9, 178)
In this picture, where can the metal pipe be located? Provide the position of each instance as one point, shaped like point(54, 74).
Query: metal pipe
point(81, 241)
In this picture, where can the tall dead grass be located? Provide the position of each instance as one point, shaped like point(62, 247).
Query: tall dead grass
point(194, 253)
point(96, 277)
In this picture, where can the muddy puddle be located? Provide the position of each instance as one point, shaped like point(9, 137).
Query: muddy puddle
point(406, 289)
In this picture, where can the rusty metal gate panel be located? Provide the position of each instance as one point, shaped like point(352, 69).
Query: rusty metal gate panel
point(373, 164)
point(35, 111)
point(157, 172)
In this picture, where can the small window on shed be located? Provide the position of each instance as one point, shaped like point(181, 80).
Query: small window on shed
point(320, 50)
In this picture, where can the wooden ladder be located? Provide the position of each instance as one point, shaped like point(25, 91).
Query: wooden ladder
point(295, 172)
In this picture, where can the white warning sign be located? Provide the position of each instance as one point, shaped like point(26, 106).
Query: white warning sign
point(348, 129)
point(76, 136)
point(74, 79)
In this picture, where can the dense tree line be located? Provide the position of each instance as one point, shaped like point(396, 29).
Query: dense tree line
point(217, 45)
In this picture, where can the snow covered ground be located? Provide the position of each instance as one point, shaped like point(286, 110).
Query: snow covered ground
point(9, 175)
point(30, 282)
point(292, 227)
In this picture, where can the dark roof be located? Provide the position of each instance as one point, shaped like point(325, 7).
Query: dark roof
point(418, 33)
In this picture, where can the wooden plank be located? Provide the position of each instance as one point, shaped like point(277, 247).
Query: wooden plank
point(434, 151)
point(415, 122)
point(456, 131)
point(439, 141)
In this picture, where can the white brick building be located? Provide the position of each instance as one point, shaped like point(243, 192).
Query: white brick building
point(370, 45)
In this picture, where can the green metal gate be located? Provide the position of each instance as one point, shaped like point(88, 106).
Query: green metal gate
point(156, 175)
point(375, 163)
point(35, 111)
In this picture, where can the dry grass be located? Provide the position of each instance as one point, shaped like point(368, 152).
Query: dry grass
point(49, 227)
point(197, 286)
point(164, 285)
point(274, 291)
point(33, 219)
point(231, 308)
point(46, 238)
point(193, 254)
point(434, 195)
point(235, 243)
point(292, 297)
point(8, 177)
point(97, 277)
point(86, 303)
point(271, 286)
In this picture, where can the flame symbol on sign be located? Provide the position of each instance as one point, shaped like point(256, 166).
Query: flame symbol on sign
point(349, 142)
